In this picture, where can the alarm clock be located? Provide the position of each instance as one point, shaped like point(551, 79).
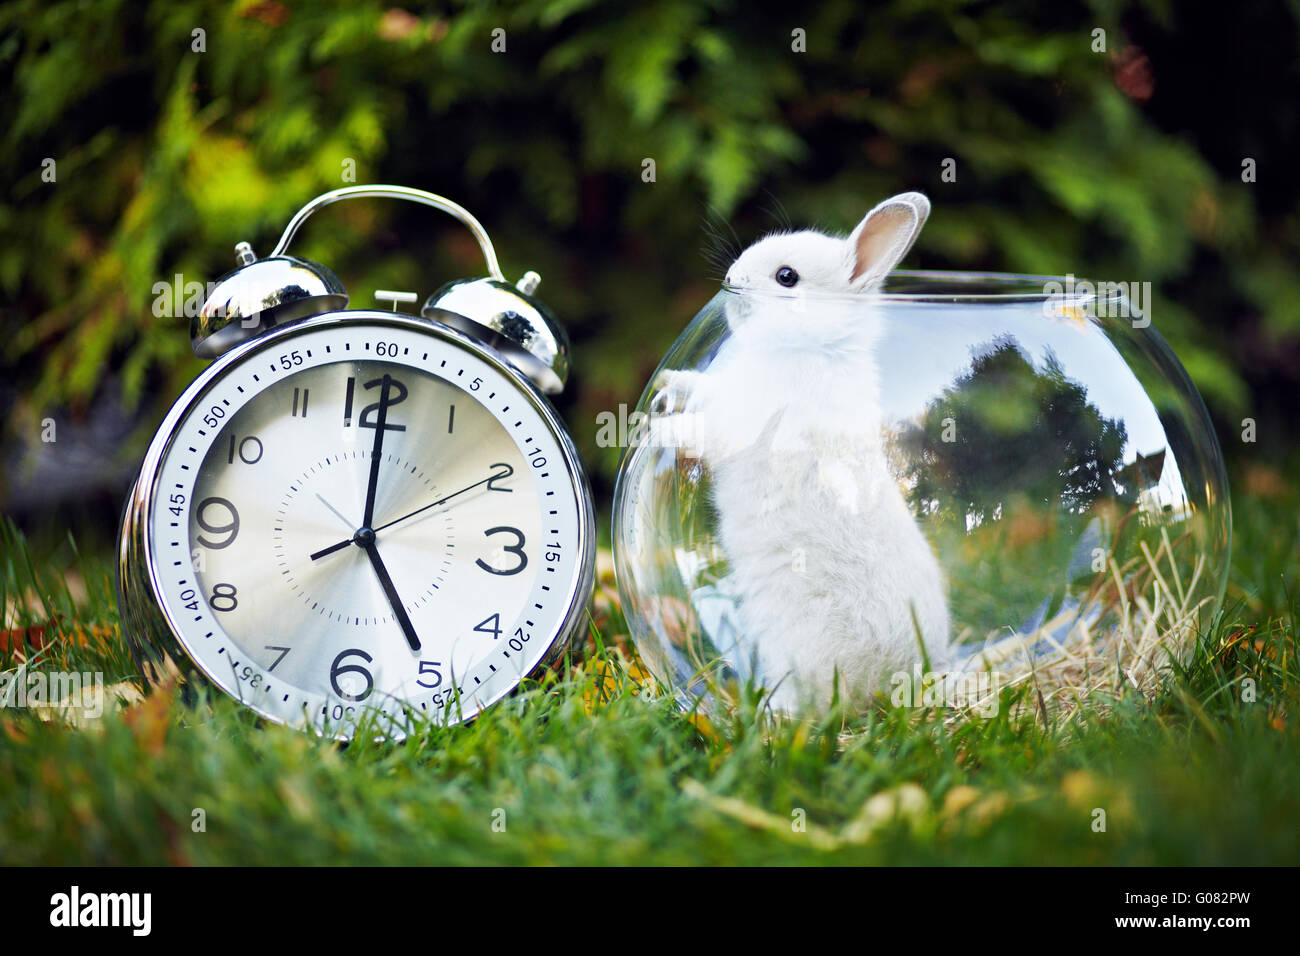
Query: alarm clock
point(360, 515)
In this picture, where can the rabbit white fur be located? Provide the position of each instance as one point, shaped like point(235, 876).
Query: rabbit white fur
point(828, 567)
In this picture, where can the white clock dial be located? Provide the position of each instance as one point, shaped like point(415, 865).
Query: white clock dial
point(367, 517)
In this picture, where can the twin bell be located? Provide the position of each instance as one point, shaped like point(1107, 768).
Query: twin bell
point(260, 294)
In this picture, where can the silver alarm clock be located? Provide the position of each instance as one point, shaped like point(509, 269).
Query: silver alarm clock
point(355, 513)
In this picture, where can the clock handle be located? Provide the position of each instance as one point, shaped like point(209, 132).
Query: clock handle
point(395, 192)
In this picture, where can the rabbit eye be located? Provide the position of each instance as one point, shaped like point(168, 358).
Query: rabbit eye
point(786, 276)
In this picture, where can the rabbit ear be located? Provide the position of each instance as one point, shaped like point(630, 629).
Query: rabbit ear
point(885, 235)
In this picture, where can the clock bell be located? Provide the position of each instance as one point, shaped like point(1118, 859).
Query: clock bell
point(260, 294)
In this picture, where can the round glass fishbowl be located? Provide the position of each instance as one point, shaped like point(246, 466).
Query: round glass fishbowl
point(958, 483)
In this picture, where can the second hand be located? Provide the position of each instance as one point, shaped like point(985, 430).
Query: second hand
point(339, 546)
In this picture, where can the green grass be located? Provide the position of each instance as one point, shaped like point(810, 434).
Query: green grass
point(590, 770)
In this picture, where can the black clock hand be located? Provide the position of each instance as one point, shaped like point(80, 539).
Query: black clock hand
point(365, 539)
point(380, 424)
point(339, 546)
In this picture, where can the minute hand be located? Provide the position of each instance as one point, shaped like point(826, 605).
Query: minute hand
point(433, 504)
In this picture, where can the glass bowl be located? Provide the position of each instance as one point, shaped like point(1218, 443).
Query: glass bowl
point(962, 481)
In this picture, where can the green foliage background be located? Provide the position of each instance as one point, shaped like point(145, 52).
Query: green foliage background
point(166, 157)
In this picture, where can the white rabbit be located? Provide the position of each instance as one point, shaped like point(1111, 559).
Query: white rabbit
point(827, 566)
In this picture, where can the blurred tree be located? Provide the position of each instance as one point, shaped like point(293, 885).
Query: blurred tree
point(176, 129)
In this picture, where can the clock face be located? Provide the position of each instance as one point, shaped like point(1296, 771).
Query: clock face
point(367, 517)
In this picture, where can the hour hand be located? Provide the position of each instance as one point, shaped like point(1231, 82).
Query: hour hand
point(337, 546)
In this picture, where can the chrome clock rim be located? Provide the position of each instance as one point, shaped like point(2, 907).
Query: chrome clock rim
point(148, 624)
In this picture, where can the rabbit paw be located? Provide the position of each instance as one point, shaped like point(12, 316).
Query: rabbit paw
point(673, 388)
point(679, 431)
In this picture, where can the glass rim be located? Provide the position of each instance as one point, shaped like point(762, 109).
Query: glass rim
point(954, 287)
